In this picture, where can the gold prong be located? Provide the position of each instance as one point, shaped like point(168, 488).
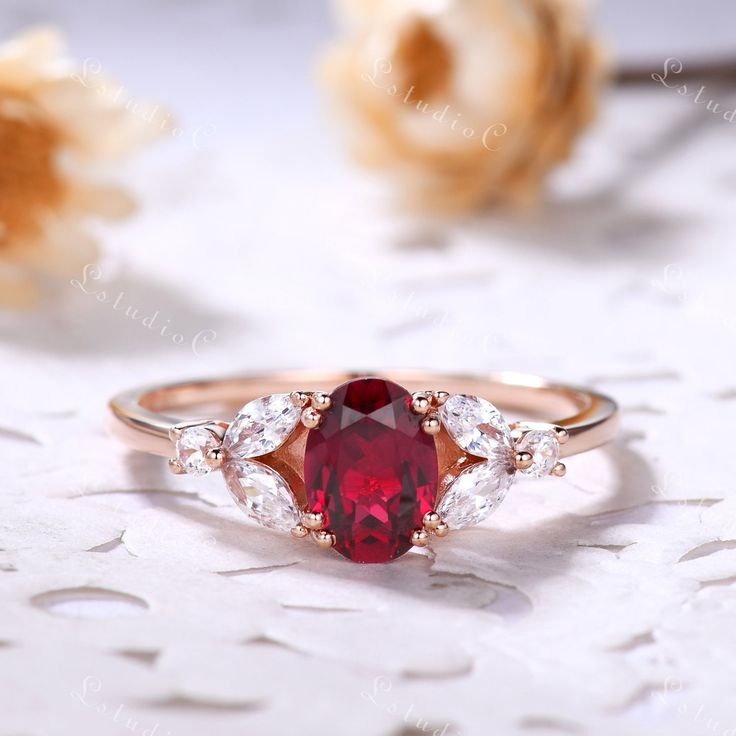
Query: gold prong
point(420, 538)
point(442, 529)
point(175, 467)
point(562, 435)
point(420, 403)
point(431, 521)
point(321, 401)
point(431, 425)
point(559, 470)
point(300, 398)
point(523, 460)
point(311, 418)
point(215, 458)
point(324, 539)
point(516, 433)
point(440, 397)
point(313, 521)
point(299, 531)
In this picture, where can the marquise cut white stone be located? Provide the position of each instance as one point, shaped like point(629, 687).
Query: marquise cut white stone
point(477, 426)
point(261, 426)
point(544, 448)
point(262, 493)
point(192, 447)
point(475, 493)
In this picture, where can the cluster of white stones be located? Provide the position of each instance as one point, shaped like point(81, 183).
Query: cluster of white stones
point(260, 427)
point(263, 425)
point(480, 429)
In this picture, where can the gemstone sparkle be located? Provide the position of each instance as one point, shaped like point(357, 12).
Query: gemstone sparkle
point(371, 469)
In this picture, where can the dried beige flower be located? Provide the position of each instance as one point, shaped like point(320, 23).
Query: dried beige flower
point(467, 102)
point(52, 123)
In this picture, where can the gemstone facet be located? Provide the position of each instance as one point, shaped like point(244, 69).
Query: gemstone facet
point(261, 426)
point(192, 446)
point(544, 447)
point(475, 493)
point(262, 493)
point(477, 426)
point(371, 470)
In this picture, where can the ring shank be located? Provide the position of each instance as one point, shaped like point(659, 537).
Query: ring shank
point(143, 418)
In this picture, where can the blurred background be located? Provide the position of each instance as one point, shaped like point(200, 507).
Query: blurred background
point(198, 188)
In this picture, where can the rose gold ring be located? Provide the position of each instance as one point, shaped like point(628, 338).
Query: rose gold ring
point(358, 462)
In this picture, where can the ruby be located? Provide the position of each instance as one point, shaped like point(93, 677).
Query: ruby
point(371, 470)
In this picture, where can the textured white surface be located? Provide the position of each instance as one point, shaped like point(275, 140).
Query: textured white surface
point(602, 603)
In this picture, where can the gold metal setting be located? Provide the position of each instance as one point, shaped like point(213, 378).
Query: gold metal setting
point(313, 521)
point(432, 524)
point(300, 398)
point(215, 458)
point(442, 530)
point(431, 425)
point(420, 402)
point(311, 418)
point(431, 521)
point(523, 460)
point(175, 467)
point(321, 401)
point(559, 470)
point(299, 531)
point(420, 538)
point(323, 539)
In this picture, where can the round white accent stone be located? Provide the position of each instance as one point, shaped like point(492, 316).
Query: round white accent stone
point(261, 426)
point(262, 493)
point(475, 493)
point(192, 447)
point(544, 447)
point(477, 426)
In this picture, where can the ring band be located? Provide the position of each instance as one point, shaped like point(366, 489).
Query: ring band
point(368, 465)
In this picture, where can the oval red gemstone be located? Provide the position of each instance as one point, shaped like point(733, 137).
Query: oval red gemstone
point(371, 470)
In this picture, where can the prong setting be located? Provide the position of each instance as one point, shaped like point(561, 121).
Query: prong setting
point(175, 467)
point(300, 398)
point(215, 458)
point(431, 425)
point(313, 520)
point(442, 530)
point(523, 460)
point(420, 402)
point(299, 531)
point(420, 538)
point(323, 539)
point(431, 521)
point(559, 470)
point(311, 418)
point(321, 401)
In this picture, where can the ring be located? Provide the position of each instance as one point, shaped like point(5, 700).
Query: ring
point(358, 463)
